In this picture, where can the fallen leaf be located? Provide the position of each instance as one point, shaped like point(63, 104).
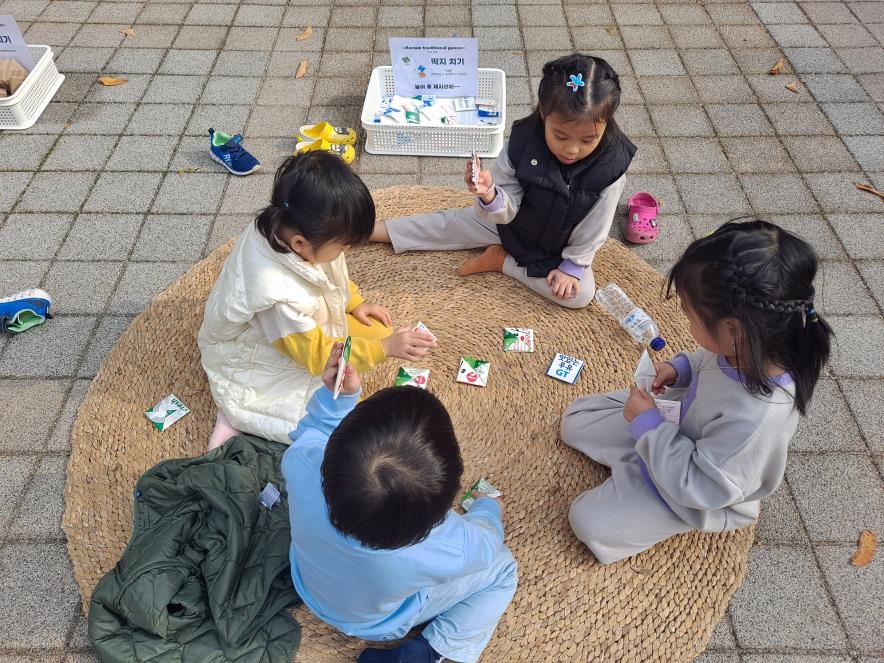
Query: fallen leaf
point(112, 80)
point(129, 32)
point(868, 188)
point(792, 87)
point(778, 67)
point(865, 551)
point(182, 171)
point(302, 69)
point(611, 30)
point(305, 34)
point(66, 125)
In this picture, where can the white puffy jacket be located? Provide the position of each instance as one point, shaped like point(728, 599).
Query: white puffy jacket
point(259, 389)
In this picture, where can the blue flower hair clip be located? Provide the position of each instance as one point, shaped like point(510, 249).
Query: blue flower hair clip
point(576, 82)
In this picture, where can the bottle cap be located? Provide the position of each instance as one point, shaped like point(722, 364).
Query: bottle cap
point(657, 343)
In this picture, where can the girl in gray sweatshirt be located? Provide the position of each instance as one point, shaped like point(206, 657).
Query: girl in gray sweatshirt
point(747, 290)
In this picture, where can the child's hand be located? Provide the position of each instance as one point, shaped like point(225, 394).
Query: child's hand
point(563, 286)
point(499, 501)
point(408, 344)
point(666, 375)
point(484, 186)
point(351, 384)
point(639, 401)
point(365, 311)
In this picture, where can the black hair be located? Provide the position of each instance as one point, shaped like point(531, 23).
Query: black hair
point(392, 468)
point(318, 196)
point(597, 99)
point(762, 276)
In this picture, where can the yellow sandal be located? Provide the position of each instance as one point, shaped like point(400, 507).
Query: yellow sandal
point(327, 132)
point(346, 152)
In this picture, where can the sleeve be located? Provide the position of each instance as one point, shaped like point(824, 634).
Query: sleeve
point(590, 234)
point(297, 336)
point(677, 465)
point(483, 534)
point(683, 369)
point(324, 413)
point(356, 297)
point(503, 208)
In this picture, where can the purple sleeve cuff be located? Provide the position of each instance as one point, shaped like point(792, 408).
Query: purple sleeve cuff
point(644, 422)
point(495, 205)
point(572, 269)
point(682, 367)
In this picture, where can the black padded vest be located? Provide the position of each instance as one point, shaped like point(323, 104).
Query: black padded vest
point(552, 207)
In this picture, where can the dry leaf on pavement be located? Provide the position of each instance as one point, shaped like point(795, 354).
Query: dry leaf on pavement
point(189, 169)
point(129, 32)
point(305, 34)
point(792, 87)
point(868, 188)
point(112, 80)
point(865, 551)
point(302, 69)
point(611, 30)
point(778, 67)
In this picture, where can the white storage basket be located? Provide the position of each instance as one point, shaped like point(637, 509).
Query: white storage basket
point(21, 110)
point(440, 141)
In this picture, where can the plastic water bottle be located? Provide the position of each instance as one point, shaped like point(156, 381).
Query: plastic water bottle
point(633, 319)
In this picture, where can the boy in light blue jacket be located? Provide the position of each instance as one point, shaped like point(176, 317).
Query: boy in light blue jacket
point(376, 548)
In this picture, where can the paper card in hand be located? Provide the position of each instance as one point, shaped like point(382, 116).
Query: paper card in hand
point(342, 368)
point(645, 372)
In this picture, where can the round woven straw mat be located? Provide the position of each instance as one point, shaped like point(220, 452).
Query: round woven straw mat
point(661, 605)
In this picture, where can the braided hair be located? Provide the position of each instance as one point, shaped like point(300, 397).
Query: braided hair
point(596, 100)
point(762, 276)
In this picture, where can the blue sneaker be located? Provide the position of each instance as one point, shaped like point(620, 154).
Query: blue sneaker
point(24, 310)
point(229, 152)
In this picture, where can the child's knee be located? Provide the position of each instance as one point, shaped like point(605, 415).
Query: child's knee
point(588, 526)
point(580, 300)
point(576, 419)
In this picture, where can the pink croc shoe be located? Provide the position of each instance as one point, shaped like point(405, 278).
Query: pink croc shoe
point(641, 221)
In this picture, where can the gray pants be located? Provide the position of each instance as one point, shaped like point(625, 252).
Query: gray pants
point(460, 228)
point(624, 516)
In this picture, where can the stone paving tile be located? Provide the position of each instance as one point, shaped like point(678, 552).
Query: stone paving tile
point(141, 153)
point(81, 287)
point(868, 150)
point(872, 272)
point(56, 192)
point(24, 152)
point(189, 193)
point(15, 472)
point(838, 493)
point(117, 234)
point(695, 155)
point(48, 350)
point(797, 119)
point(172, 238)
point(226, 227)
point(861, 613)
point(813, 154)
point(13, 185)
point(859, 350)
point(763, 608)
point(680, 121)
point(814, 60)
point(863, 397)
point(829, 424)
point(21, 275)
point(855, 118)
point(859, 234)
point(107, 333)
point(841, 290)
point(28, 574)
point(73, 153)
point(667, 90)
point(739, 120)
point(778, 194)
point(713, 194)
point(27, 405)
point(780, 521)
point(159, 119)
point(123, 192)
point(141, 282)
point(60, 440)
point(764, 154)
point(39, 515)
point(100, 118)
point(19, 240)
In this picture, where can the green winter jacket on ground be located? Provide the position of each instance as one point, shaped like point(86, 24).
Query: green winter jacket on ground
point(205, 577)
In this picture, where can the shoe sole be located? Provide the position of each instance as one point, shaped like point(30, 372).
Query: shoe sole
point(33, 293)
point(231, 170)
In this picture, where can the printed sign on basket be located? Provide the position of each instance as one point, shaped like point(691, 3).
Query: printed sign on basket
point(444, 67)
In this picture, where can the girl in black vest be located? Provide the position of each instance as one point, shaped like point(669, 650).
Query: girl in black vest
point(548, 204)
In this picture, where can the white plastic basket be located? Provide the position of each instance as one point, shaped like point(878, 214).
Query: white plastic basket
point(21, 110)
point(440, 141)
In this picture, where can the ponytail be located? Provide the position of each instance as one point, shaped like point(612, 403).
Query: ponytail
point(810, 356)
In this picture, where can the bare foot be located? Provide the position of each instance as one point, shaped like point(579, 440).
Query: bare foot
point(490, 260)
point(380, 234)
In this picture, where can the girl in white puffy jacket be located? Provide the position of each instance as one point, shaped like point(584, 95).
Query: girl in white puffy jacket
point(284, 297)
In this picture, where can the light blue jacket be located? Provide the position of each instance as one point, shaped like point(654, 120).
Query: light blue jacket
point(372, 594)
